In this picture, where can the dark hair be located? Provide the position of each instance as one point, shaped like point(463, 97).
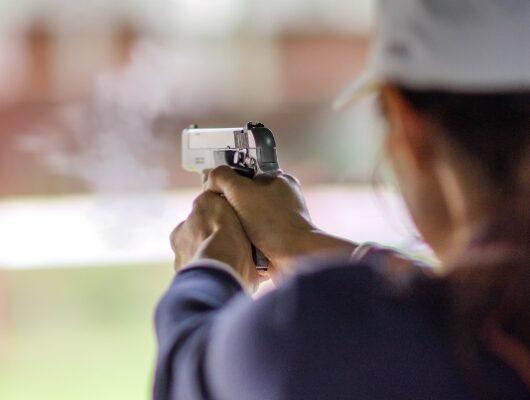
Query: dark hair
point(492, 128)
point(485, 290)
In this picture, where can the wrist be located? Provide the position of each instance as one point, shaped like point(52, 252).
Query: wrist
point(314, 242)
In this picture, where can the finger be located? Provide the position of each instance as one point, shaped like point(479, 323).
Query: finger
point(205, 175)
point(207, 201)
point(173, 236)
point(291, 179)
point(224, 180)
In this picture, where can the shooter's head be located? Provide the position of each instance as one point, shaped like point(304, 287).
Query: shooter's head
point(453, 78)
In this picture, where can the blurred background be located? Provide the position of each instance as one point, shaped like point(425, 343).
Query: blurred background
point(93, 96)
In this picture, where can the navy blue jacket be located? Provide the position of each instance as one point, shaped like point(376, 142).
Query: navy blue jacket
point(340, 332)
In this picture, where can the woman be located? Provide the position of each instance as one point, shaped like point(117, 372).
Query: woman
point(454, 84)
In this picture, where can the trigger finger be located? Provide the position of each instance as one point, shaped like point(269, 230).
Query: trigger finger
point(224, 180)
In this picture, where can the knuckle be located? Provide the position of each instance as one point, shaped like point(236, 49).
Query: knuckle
point(200, 201)
point(219, 173)
point(217, 203)
point(196, 202)
point(210, 198)
point(206, 201)
point(290, 179)
point(226, 179)
point(173, 236)
point(282, 181)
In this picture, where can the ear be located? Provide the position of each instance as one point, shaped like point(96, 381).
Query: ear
point(413, 133)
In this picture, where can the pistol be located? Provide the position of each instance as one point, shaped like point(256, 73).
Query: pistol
point(250, 151)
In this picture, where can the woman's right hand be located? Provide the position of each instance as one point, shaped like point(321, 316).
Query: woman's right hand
point(275, 217)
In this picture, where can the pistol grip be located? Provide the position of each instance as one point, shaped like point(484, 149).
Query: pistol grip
point(260, 261)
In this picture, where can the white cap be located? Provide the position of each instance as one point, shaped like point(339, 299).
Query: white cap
point(453, 45)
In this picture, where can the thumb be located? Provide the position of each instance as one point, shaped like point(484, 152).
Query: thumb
point(224, 180)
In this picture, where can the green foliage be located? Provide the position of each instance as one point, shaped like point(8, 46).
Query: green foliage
point(79, 333)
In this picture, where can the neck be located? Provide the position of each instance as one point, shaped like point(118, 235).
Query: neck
point(473, 204)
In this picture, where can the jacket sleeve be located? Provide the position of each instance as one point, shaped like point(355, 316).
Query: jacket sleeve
point(214, 340)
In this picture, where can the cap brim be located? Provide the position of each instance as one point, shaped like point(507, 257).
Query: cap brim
point(367, 84)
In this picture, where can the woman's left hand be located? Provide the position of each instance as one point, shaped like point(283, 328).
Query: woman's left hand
point(213, 231)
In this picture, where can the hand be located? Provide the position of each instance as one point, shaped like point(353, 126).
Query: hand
point(275, 217)
point(213, 231)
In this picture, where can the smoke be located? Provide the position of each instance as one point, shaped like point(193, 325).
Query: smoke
point(111, 143)
point(114, 136)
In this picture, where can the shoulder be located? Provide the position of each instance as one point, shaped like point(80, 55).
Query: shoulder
point(379, 292)
point(352, 326)
point(341, 331)
point(364, 292)
point(374, 274)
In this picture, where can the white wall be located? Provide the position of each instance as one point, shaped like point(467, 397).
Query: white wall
point(195, 17)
